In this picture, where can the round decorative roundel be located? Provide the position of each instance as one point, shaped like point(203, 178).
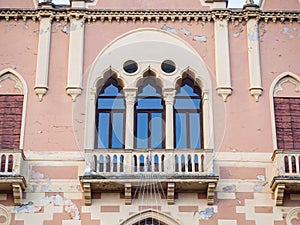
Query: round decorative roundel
point(130, 66)
point(4, 216)
point(168, 66)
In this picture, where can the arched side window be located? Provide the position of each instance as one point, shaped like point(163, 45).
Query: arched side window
point(13, 92)
point(149, 115)
point(286, 100)
point(188, 115)
point(110, 116)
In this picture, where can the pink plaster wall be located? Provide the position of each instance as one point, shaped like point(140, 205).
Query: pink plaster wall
point(49, 122)
point(16, 4)
point(281, 4)
point(146, 4)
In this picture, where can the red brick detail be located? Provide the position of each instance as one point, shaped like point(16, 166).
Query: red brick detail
point(9, 201)
point(110, 208)
point(263, 209)
point(86, 219)
point(192, 208)
point(14, 221)
point(287, 119)
point(96, 195)
point(10, 121)
point(202, 196)
point(144, 207)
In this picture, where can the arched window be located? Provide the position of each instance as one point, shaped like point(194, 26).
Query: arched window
point(188, 115)
point(149, 115)
point(286, 98)
point(110, 115)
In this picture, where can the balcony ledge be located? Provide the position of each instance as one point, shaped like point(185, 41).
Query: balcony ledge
point(170, 183)
point(16, 184)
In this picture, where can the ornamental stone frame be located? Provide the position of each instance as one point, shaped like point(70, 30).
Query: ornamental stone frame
point(274, 88)
point(156, 42)
point(21, 85)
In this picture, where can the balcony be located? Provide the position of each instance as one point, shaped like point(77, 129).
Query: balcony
point(123, 170)
point(11, 179)
point(286, 173)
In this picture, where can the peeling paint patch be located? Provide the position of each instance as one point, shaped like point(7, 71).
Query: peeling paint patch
point(200, 38)
point(56, 26)
point(36, 175)
point(261, 177)
point(185, 31)
point(169, 29)
point(238, 29)
point(65, 29)
point(206, 213)
point(73, 27)
point(27, 208)
point(26, 26)
point(229, 189)
point(253, 36)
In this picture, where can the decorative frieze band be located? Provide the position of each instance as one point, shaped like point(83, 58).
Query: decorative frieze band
point(67, 14)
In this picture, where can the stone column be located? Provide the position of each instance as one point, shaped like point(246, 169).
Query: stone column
point(130, 98)
point(42, 66)
point(169, 97)
point(222, 57)
point(254, 59)
point(75, 64)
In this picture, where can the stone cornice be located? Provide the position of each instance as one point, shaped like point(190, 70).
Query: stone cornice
point(90, 16)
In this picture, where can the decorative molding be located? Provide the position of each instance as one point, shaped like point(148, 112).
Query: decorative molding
point(279, 194)
point(256, 93)
point(6, 214)
point(87, 194)
point(89, 16)
point(18, 83)
point(286, 79)
point(127, 194)
point(17, 193)
point(211, 193)
point(224, 92)
point(254, 58)
point(40, 92)
point(171, 193)
point(74, 92)
point(293, 214)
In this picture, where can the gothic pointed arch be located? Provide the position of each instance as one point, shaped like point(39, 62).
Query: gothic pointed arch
point(150, 214)
point(13, 93)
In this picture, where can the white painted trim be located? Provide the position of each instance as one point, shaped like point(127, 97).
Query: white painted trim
point(42, 66)
point(222, 57)
point(127, 47)
point(254, 59)
point(151, 213)
point(25, 93)
point(75, 61)
point(271, 95)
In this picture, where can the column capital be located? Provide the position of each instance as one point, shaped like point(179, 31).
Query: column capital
point(130, 95)
point(169, 95)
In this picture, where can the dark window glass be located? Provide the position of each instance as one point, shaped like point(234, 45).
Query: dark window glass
point(188, 115)
point(130, 66)
point(149, 115)
point(110, 116)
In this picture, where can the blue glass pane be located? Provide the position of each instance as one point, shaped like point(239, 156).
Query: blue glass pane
point(117, 130)
point(181, 139)
point(156, 130)
point(196, 159)
point(155, 159)
point(142, 130)
point(103, 130)
point(149, 90)
point(195, 130)
point(149, 103)
point(186, 90)
point(111, 103)
point(111, 90)
point(187, 103)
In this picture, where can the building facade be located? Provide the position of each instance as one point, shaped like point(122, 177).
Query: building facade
point(140, 112)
